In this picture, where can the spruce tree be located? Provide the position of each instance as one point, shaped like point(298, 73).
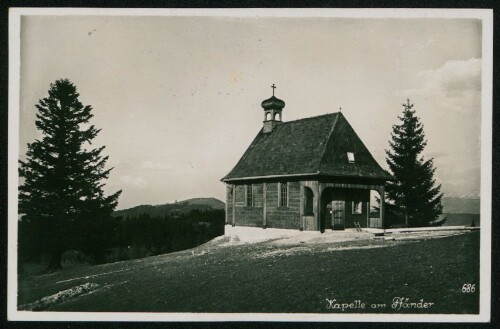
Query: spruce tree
point(413, 197)
point(61, 191)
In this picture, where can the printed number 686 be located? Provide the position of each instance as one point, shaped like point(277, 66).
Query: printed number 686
point(468, 288)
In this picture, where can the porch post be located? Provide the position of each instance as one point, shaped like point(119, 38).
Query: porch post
point(368, 209)
point(226, 220)
point(382, 205)
point(234, 202)
point(301, 206)
point(264, 205)
point(318, 206)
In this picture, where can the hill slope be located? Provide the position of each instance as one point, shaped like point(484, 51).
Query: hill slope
point(455, 205)
point(180, 207)
point(269, 277)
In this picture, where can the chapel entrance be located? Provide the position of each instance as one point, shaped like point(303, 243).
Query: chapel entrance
point(338, 214)
point(332, 210)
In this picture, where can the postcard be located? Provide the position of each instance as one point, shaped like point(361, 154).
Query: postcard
point(313, 165)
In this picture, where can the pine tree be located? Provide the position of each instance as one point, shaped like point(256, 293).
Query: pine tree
point(61, 192)
point(413, 197)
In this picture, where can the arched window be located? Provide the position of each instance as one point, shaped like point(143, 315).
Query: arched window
point(283, 194)
point(277, 116)
point(268, 116)
point(308, 202)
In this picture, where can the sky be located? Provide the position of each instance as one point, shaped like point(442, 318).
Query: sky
point(178, 98)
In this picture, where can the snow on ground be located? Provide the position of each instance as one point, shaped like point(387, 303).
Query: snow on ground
point(302, 250)
point(91, 276)
point(281, 252)
point(357, 247)
point(429, 229)
point(420, 235)
point(282, 237)
point(242, 235)
point(328, 236)
point(290, 242)
point(60, 297)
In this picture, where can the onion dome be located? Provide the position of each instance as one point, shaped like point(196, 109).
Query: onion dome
point(273, 103)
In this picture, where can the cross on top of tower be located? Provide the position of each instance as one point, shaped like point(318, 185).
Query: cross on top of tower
point(274, 87)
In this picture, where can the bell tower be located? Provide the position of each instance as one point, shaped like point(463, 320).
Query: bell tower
point(272, 112)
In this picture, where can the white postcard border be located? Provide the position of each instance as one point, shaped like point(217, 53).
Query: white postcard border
point(485, 15)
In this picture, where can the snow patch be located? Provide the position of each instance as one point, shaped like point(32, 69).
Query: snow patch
point(329, 236)
point(282, 252)
point(357, 247)
point(250, 235)
point(418, 235)
point(239, 235)
point(91, 276)
point(200, 253)
point(60, 297)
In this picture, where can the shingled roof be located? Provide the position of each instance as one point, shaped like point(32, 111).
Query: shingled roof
point(311, 146)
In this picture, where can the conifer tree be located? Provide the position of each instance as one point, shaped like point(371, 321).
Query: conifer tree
point(61, 193)
point(413, 197)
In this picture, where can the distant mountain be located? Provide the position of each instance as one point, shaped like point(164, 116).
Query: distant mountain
point(476, 194)
point(457, 205)
point(176, 208)
point(212, 202)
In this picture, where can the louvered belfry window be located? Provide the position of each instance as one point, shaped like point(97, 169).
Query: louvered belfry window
point(283, 195)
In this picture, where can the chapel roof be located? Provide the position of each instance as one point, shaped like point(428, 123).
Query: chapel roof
point(312, 146)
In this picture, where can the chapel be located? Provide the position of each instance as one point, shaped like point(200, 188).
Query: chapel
point(309, 174)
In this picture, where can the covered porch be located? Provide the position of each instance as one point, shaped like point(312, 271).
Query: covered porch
point(339, 206)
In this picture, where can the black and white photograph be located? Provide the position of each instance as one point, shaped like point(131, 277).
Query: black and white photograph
point(250, 164)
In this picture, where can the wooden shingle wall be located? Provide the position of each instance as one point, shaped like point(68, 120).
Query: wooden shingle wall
point(276, 216)
point(283, 217)
point(239, 191)
point(248, 215)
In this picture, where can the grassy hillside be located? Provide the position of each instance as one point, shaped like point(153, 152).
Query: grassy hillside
point(180, 207)
point(267, 277)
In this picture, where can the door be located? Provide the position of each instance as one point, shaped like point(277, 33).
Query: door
point(338, 214)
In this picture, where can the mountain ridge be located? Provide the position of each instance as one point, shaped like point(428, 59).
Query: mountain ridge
point(459, 205)
point(175, 208)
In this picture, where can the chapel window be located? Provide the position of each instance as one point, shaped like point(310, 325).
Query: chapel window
point(308, 202)
point(350, 157)
point(249, 195)
point(283, 194)
point(357, 207)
